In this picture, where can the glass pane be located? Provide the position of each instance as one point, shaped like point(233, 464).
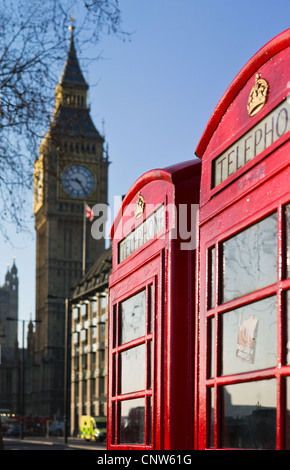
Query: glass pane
point(150, 364)
point(113, 422)
point(150, 309)
point(114, 375)
point(287, 415)
point(76, 312)
point(288, 238)
point(249, 337)
point(149, 421)
point(133, 367)
point(288, 328)
point(132, 425)
point(115, 329)
point(133, 317)
point(250, 259)
point(211, 421)
point(211, 280)
point(212, 347)
point(249, 415)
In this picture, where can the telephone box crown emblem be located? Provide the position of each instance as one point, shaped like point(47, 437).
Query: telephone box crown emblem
point(258, 95)
point(139, 206)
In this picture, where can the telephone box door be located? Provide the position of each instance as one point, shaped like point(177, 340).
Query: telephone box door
point(134, 364)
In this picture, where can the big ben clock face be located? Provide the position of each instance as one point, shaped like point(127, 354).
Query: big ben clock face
point(78, 181)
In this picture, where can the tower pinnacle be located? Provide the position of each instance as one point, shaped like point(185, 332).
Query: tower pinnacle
point(72, 74)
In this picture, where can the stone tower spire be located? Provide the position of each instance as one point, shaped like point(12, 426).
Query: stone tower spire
point(72, 88)
point(9, 306)
point(72, 169)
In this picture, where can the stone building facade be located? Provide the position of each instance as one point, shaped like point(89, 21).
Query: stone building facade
point(9, 352)
point(89, 343)
point(72, 169)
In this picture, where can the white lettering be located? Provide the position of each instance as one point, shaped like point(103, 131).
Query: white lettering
point(108, 460)
point(166, 459)
point(144, 232)
point(99, 225)
point(180, 222)
point(186, 221)
point(186, 215)
point(255, 141)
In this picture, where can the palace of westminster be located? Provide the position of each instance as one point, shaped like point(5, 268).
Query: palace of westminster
point(69, 334)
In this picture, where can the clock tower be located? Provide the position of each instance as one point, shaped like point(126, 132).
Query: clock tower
point(72, 169)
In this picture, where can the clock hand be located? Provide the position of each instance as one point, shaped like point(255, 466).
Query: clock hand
point(79, 182)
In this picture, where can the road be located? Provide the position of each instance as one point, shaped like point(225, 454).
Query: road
point(51, 444)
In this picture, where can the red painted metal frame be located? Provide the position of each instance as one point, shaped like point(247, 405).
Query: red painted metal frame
point(230, 207)
point(267, 52)
point(161, 261)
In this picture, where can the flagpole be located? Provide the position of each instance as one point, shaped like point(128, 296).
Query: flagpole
point(84, 239)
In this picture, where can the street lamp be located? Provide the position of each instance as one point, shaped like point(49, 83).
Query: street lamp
point(22, 374)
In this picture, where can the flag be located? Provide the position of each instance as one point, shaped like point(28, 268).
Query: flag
point(89, 212)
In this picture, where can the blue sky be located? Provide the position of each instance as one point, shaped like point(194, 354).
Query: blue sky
point(157, 91)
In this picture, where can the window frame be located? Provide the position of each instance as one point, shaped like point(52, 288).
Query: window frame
point(212, 386)
point(117, 348)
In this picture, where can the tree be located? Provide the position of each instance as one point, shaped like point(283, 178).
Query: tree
point(33, 46)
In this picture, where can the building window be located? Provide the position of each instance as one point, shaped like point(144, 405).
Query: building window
point(76, 313)
point(76, 363)
point(84, 335)
point(84, 310)
point(75, 338)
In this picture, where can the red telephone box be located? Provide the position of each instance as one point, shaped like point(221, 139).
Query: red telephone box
point(151, 318)
point(244, 370)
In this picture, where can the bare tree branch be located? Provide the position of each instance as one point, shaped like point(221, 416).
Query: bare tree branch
point(33, 48)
